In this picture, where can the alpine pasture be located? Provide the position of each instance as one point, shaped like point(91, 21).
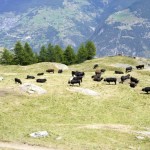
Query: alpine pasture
point(114, 119)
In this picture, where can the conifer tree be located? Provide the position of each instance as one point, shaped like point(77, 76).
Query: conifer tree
point(51, 53)
point(43, 56)
point(19, 57)
point(29, 55)
point(69, 55)
point(58, 54)
point(7, 57)
point(81, 54)
point(91, 49)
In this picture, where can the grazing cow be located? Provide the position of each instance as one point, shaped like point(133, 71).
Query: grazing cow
point(40, 74)
point(18, 81)
point(78, 78)
point(78, 73)
point(129, 69)
point(134, 80)
point(96, 76)
point(103, 70)
point(133, 84)
point(74, 82)
point(146, 89)
point(97, 79)
point(123, 78)
point(30, 77)
point(110, 80)
point(140, 67)
point(60, 71)
point(95, 66)
point(98, 72)
point(41, 80)
point(50, 70)
point(118, 72)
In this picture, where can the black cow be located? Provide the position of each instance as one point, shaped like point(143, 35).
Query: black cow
point(134, 80)
point(41, 80)
point(18, 81)
point(140, 67)
point(118, 72)
point(50, 70)
point(96, 76)
point(30, 77)
point(123, 78)
point(95, 66)
point(133, 84)
point(78, 73)
point(129, 69)
point(111, 79)
point(60, 71)
point(146, 89)
point(78, 78)
point(98, 79)
point(74, 82)
point(40, 74)
point(103, 70)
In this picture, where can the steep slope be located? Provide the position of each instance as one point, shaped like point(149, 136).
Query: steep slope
point(125, 31)
point(40, 22)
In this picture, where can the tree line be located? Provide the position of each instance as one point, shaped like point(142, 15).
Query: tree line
point(24, 55)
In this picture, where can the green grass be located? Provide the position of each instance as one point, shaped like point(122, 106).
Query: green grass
point(62, 113)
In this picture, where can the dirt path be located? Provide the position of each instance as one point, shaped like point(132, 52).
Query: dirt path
point(19, 146)
point(114, 127)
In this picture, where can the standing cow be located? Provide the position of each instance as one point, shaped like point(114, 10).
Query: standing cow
point(18, 81)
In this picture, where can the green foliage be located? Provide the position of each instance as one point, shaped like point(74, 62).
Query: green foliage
point(19, 58)
point(51, 53)
point(82, 54)
point(7, 57)
point(23, 55)
point(58, 54)
point(91, 49)
point(69, 55)
point(43, 57)
point(30, 57)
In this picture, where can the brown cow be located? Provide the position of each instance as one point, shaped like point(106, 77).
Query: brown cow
point(50, 70)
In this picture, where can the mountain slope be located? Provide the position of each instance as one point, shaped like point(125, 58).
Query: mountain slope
point(40, 22)
point(126, 31)
point(116, 26)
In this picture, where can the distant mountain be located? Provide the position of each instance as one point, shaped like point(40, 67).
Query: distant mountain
point(39, 22)
point(116, 26)
point(126, 31)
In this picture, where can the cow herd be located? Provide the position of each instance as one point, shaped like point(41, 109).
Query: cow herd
point(39, 80)
point(77, 77)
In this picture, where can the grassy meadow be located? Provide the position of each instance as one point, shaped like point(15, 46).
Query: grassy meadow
point(115, 114)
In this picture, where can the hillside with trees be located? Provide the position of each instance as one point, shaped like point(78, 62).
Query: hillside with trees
point(22, 54)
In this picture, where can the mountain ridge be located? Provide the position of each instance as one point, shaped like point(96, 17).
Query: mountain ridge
point(68, 22)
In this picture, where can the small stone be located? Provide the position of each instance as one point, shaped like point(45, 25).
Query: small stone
point(140, 137)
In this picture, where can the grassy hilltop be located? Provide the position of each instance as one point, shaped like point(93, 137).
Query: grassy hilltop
point(108, 121)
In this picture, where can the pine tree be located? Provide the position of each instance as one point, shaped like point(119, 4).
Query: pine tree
point(58, 54)
point(29, 55)
point(51, 53)
point(19, 58)
point(81, 54)
point(69, 55)
point(43, 56)
point(91, 49)
point(7, 57)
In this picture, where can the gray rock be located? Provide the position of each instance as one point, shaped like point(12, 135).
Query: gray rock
point(39, 134)
point(31, 88)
